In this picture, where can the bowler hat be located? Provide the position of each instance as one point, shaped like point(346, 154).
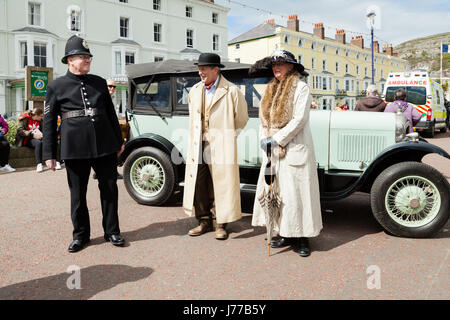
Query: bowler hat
point(209, 59)
point(75, 45)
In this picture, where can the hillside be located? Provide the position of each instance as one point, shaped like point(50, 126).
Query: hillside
point(425, 52)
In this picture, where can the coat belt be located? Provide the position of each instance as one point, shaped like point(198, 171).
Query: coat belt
point(82, 113)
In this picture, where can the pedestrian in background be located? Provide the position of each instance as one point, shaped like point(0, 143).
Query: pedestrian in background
point(90, 138)
point(372, 101)
point(4, 148)
point(284, 129)
point(217, 113)
point(407, 109)
point(112, 90)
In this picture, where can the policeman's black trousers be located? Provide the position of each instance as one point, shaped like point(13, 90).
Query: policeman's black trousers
point(78, 173)
point(4, 151)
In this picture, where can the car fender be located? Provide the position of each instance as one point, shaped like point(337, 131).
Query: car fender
point(400, 152)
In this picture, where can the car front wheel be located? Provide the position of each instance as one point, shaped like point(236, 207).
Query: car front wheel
point(411, 199)
point(149, 176)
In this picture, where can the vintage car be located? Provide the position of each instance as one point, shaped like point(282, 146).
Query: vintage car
point(355, 151)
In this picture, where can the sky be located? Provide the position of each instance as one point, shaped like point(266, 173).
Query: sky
point(397, 20)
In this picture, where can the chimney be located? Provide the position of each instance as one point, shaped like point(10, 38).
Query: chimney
point(319, 30)
point(376, 47)
point(387, 49)
point(271, 21)
point(293, 23)
point(340, 36)
point(358, 41)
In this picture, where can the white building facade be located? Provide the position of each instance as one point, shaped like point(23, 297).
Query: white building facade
point(119, 32)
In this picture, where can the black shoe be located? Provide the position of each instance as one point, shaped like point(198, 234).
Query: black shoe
point(119, 176)
point(303, 247)
point(116, 239)
point(77, 245)
point(281, 243)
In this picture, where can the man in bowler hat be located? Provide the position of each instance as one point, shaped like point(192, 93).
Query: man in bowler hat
point(217, 113)
point(90, 138)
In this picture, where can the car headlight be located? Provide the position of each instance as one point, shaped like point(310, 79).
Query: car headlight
point(401, 127)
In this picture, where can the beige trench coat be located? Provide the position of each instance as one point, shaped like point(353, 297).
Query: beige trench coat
point(297, 173)
point(226, 116)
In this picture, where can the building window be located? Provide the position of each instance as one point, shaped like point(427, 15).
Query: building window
point(312, 46)
point(118, 57)
point(330, 84)
point(347, 53)
point(238, 60)
point(337, 52)
point(286, 39)
point(337, 66)
point(158, 59)
point(34, 14)
point(347, 85)
point(324, 83)
point(357, 70)
point(129, 58)
point(23, 54)
point(157, 32)
point(300, 59)
point(157, 5)
point(324, 65)
point(237, 46)
point(313, 63)
point(366, 71)
point(124, 1)
point(124, 27)
point(300, 43)
point(346, 68)
point(337, 84)
point(215, 18)
point(215, 42)
point(358, 56)
point(40, 54)
point(324, 49)
point(75, 21)
point(382, 73)
point(188, 12)
point(357, 87)
point(190, 38)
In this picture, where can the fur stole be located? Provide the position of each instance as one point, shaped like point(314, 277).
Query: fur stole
point(278, 102)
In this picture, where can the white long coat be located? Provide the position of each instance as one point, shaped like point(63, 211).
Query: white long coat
point(227, 115)
point(297, 173)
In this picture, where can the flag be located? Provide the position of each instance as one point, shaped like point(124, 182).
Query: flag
point(445, 48)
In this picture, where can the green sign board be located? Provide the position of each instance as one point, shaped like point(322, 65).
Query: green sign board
point(36, 82)
point(39, 82)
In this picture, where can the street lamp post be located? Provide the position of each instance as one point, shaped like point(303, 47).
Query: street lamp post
point(371, 17)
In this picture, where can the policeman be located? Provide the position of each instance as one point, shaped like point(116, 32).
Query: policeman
point(90, 138)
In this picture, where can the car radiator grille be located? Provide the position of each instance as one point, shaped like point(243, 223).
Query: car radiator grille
point(357, 148)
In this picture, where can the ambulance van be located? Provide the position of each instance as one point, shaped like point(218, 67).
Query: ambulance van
point(424, 94)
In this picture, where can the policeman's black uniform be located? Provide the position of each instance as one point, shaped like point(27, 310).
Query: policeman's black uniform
point(89, 140)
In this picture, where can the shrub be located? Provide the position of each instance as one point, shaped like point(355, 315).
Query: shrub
point(11, 135)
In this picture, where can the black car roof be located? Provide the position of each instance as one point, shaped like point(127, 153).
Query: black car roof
point(173, 66)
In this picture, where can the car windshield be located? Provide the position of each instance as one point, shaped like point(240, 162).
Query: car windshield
point(414, 95)
point(252, 88)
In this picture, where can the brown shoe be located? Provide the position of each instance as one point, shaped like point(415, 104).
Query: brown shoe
point(221, 233)
point(203, 227)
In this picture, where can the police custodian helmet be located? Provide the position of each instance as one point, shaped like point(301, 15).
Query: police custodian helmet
point(75, 45)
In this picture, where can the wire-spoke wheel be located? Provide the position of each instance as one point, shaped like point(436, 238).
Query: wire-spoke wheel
point(411, 199)
point(149, 176)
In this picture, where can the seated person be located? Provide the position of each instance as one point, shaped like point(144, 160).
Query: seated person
point(29, 134)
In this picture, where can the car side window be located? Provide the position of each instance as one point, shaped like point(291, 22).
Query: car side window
point(157, 96)
point(253, 90)
point(184, 86)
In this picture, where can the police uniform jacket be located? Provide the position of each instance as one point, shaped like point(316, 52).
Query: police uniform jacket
point(82, 137)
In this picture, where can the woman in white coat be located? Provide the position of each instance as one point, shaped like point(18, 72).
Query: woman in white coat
point(284, 127)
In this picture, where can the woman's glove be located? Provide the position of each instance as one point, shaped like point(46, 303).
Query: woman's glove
point(268, 144)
